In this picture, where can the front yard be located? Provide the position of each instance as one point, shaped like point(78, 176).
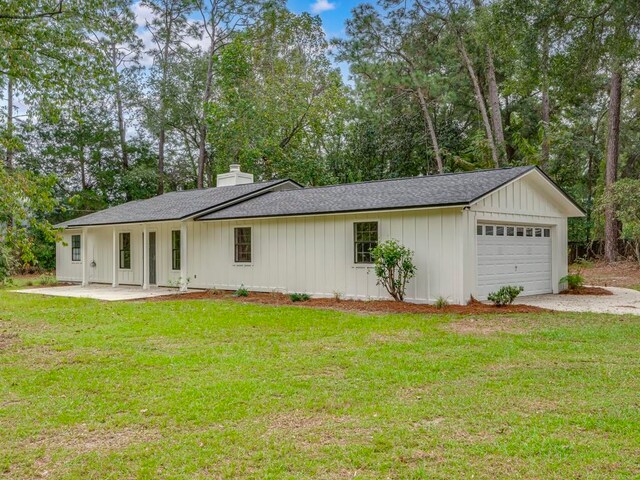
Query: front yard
point(217, 389)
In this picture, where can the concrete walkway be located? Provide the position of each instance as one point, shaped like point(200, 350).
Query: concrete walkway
point(102, 292)
point(623, 301)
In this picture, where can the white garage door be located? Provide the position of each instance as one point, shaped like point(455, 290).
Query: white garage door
point(513, 255)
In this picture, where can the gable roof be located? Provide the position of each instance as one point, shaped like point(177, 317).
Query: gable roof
point(444, 190)
point(173, 205)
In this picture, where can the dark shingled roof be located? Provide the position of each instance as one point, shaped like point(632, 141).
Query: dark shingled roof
point(427, 191)
point(170, 206)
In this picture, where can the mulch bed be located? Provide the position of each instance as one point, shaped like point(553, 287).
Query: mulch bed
point(587, 291)
point(619, 274)
point(363, 306)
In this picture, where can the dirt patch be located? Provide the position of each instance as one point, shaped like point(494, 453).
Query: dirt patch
point(311, 431)
point(81, 439)
point(8, 339)
point(587, 291)
point(619, 274)
point(490, 326)
point(362, 306)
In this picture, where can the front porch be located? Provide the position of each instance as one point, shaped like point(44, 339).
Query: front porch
point(103, 292)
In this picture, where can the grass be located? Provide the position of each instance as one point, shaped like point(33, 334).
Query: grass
point(213, 389)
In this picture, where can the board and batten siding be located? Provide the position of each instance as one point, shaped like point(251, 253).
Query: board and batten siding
point(524, 201)
point(315, 254)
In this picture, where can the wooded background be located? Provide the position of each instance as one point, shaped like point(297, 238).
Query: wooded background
point(99, 110)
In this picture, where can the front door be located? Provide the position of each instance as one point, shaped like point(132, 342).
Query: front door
point(152, 258)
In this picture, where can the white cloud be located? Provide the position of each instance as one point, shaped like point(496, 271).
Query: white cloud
point(320, 6)
point(142, 14)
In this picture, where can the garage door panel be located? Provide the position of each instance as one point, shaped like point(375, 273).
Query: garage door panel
point(512, 260)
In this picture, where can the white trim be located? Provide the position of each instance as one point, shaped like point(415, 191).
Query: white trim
point(357, 212)
point(572, 211)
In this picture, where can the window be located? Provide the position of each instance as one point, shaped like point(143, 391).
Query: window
point(500, 231)
point(479, 230)
point(547, 233)
point(510, 231)
point(520, 232)
point(125, 250)
point(538, 232)
point(365, 235)
point(175, 250)
point(488, 230)
point(242, 244)
point(529, 232)
point(76, 255)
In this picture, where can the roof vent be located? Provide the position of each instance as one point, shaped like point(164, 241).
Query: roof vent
point(234, 177)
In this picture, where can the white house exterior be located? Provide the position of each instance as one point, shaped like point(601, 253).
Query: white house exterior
point(470, 232)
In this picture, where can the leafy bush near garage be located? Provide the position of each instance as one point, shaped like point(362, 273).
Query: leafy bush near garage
point(394, 267)
point(505, 296)
point(573, 281)
point(299, 297)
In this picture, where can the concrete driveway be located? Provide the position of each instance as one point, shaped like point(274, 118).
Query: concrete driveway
point(623, 301)
point(102, 292)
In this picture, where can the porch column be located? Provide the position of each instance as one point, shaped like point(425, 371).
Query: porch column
point(116, 259)
point(85, 258)
point(183, 257)
point(145, 256)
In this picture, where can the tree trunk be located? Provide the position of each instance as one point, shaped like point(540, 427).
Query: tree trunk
point(206, 97)
point(494, 101)
point(479, 99)
point(9, 157)
point(121, 125)
point(431, 131)
point(163, 94)
point(611, 232)
point(495, 135)
point(83, 168)
point(546, 109)
point(161, 141)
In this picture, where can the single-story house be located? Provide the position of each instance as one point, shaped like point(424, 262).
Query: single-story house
point(471, 233)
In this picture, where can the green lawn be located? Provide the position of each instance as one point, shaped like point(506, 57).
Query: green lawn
point(212, 389)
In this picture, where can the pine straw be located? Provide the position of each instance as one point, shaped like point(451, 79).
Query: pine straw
point(587, 291)
point(360, 306)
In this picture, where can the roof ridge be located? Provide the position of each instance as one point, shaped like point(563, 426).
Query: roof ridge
point(415, 177)
point(213, 188)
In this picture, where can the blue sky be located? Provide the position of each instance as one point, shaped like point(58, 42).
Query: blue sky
point(333, 13)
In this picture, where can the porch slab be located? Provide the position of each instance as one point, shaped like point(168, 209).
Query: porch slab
point(105, 293)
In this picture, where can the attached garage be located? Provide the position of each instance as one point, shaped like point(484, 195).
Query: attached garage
point(518, 236)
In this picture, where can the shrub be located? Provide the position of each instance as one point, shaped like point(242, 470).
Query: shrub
point(505, 296)
point(7, 264)
point(394, 267)
point(337, 295)
point(299, 297)
point(573, 280)
point(242, 292)
point(48, 279)
point(441, 302)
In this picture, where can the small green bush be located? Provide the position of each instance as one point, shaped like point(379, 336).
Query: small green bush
point(505, 296)
point(441, 302)
point(242, 292)
point(48, 279)
point(573, 280)
point(299, 297)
